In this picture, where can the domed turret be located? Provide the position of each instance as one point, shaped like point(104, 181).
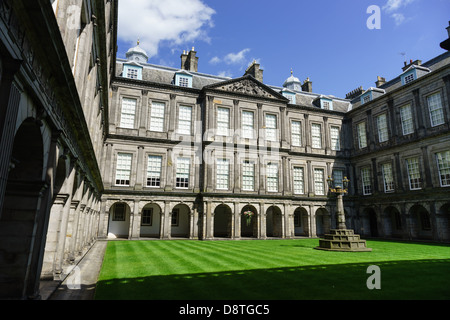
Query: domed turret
point(137, 54)
point(293, 83)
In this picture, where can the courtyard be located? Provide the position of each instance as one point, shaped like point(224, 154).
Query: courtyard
point(271, 270)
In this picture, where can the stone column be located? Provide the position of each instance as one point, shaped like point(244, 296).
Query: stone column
point(135, 222)
point(262, 222)
point(139, 172)
point(169, 170)
point(166, 221)
point(237, 221)
point(209, 221)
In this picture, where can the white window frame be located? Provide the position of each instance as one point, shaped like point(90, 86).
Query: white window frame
point(222, 174)
point(132, 73)
point(185, 120)
point(443, 165)
point(414, 175)
point(123, 168)
point(247, 127)
point(223, 121)
point(362, 135)
point(154, 168)
point(435, 109)
point(272, 177)
point(366, 181)
point(406, 119)
point(296, 133)
point(248, 175)
point(183, 81)
point(409, 78)
point(316, 135)
point(183, 170)
point(319, 183)
point(388, 177)
point(382, 127)
point(128, 113)
point(298, 175)
point(157, 111)
point(335, 133)
point(271, 127)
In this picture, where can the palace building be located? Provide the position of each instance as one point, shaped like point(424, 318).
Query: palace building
point(99, 147)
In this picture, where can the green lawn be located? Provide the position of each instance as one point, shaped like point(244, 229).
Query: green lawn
point(272, 269)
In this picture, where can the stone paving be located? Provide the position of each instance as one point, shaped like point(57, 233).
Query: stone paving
point(80, 282)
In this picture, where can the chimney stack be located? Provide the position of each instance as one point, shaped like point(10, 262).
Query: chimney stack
point(380, 81)
point(307, 85)
point(446, 43)
point(417, 63)
point(255, 71)
point(189, 61)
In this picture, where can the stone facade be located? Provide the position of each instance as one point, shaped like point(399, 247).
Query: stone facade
point(300, 144)
point(99, 147)
point(55, 59)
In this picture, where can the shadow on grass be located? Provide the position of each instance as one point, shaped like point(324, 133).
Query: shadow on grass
point(400, 280)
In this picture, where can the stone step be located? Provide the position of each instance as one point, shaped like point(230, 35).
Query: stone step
point(337, 245)
point(342, 231)
point(354, 237)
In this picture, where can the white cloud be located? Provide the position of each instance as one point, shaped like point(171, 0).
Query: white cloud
point(393, 5)
point(231, 58)
point(399, 18)
point(236, 58)
point(153, 21)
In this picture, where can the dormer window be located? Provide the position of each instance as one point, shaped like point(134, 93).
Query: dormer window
point(183, 82)
point(183, 79)
point(132, 72)
point(289, 95)
point(366, 99)
point(326, 104)
point(409, 78)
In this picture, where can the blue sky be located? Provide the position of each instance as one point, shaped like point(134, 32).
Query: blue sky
point(327, 41)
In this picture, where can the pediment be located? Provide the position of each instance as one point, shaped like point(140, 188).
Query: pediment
point(247, 86)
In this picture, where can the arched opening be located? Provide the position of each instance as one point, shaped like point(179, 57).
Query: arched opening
point(151, 221)
point(180, 220)
point(370, 222)
point(119, 220)
point(322, 222)
point(301, 222)
point(444, 222)
point(420, 222)
point(249, 222)
point(274, 222)
point(222, 221)
point(393, 222)
point(18, 222)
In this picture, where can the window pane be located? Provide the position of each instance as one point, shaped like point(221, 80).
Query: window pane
point(412, 165)
point(248, 176)
point(388, 178)
point(247, 124)
point(406, 118)
point(382, 128)
point(272, 177)
point(271, 127)
point(335, 139)
point(296, 134)
point(183, 171)
point(298, 181)
point(222, 173)
point(319, 187)
point(123, 169)
point(316, 134)
point(128, 113)
point(157, 117)
point(184, 122)
point(436, 111)
point(223, 121)
point(338, 176)
point(154, 171)
point(366, 181)
point(443, 159)
point(362, 138)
